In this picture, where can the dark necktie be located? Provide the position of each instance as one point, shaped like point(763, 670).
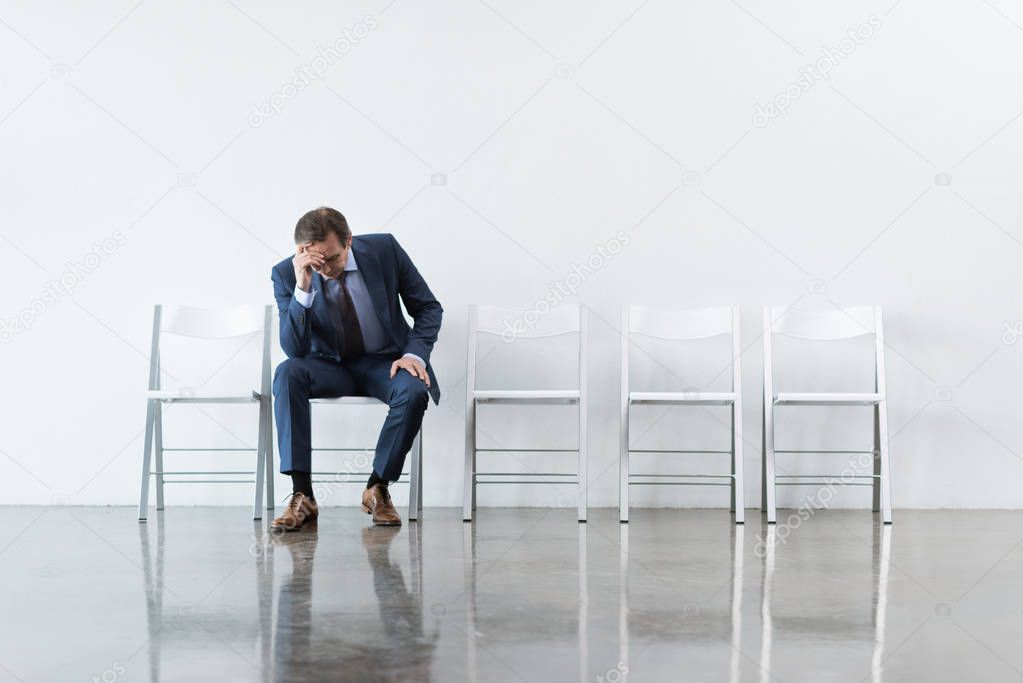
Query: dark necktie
point(354, 345)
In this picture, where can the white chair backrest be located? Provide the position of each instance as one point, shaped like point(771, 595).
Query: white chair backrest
point(680, 325)
point(206, 323)
point(512, 323)
point(823, 325)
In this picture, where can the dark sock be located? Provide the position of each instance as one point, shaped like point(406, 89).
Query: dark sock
point(302, 482)
point(374, 480)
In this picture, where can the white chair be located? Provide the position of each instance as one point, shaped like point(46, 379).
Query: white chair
point(827, 325)
point(415, 474)
point(207, 324)
point(558, 320)
point(681, 325)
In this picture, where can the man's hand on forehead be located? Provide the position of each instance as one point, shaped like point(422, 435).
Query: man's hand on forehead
point(308, 246)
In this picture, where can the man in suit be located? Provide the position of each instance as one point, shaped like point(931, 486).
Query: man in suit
point(344, 334)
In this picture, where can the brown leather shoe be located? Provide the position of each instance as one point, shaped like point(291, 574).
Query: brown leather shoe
point(376, 500)
point(300, 514)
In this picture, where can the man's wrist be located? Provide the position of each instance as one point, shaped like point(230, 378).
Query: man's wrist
point(415, 358)
point(304, 297)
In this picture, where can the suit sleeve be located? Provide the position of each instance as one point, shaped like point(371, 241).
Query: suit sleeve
point(421, 304)
point(296, 322)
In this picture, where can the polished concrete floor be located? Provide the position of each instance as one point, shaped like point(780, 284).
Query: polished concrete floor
point(204, 594)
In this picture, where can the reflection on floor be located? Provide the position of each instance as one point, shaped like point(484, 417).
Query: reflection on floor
point(519, 595)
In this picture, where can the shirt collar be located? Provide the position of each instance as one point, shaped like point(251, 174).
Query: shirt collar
point(351, 265)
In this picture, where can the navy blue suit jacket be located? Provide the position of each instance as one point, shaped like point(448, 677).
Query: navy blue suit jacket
point(389, 274)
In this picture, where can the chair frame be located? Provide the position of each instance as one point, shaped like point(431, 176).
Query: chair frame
point(205, 324)
point(713, 322)
point(844, 324)
point(415, 475)
point(474, 397)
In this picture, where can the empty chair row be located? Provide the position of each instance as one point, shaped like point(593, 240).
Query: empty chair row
point(679, 326)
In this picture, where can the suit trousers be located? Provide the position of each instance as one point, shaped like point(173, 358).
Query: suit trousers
point(297, 380)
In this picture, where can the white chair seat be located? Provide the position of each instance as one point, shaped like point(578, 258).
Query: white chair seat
point(699, 398)
point(827, 399)
point(541, 396)
point(179, 396)
point(349, 401)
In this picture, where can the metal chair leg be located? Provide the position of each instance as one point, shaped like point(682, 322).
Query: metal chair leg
point(158, 429)
point(583, 481)
point(768, 460)
point(876, 460)
point(415, 472)
point(623, 465)
point(257, 504)
point(882, 465)
point(419, 479)
point(738, 491)
point(147, 453)
point(763, 460)
point(271, 462)
point(469, 482)
point(731, 453)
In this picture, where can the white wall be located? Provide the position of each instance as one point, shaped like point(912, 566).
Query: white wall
point(133, 122)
